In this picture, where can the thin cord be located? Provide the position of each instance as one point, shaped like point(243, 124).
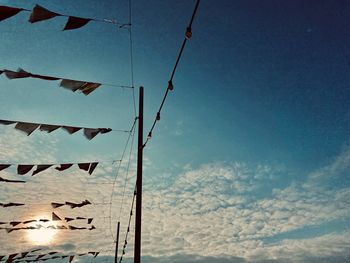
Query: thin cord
point(131, 56)
point(115, 180)
point(170, 84)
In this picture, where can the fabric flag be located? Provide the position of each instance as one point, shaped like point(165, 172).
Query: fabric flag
point(80, 218)
point(40, 168)
point(40, 13)
point(24, 168)
point(92, 167)
point(84, 166)
point(29, 221)
point(55, 205)
point(68, 219)
point(11, 181)
point(19, 74)
point(4, 166)
point(74, 85)
point(89, 221)
point(10, 204)
point(76, 22)
point(74, 205)
point(48, 128)
point(26, 127)
point(71, 129)
point(64, 166)
point(71, 259)
point(92, 228)
point(55, 217)
point(7, 12)
point(15, 223)
point(90, 133)
point(44, 220)
point(6, 122)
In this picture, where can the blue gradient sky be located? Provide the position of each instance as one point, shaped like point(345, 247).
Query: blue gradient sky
point(258, 120)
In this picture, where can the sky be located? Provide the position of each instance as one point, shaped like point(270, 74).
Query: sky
point(250, 161)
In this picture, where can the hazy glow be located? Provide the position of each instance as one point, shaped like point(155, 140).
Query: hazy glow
point(41, 236)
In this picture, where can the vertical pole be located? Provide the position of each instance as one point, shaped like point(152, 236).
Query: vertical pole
point(116, 244)
point(137, 251)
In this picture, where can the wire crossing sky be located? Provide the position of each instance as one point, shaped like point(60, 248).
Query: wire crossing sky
point(250, 161)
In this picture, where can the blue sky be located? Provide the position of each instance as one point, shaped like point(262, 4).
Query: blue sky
point(250, 161)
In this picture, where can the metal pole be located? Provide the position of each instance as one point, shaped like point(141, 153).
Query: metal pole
point(116, 244)
point(137, 251)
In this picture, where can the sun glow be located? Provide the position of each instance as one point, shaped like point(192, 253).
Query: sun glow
point(41, 236)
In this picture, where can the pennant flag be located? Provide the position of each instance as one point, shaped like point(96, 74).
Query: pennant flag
point(7, 12)
point(80, 218)
point(71, 259)
point(89, 220)
point(40, 168)
point(76, 22)
point(92, 167)
point(15, 223)
point(4, 166)
point(55, 205)
point(74, 85)
point(92, 228)
point(44, 220)
point(68, 219)
point(6, 122)
point(19, 74)
point(55, 217)
point(84, 166)
point(74, 205)
point(10, 204)
point(40, 13)
point(76, 228)
point(71, 129)
point(48, 128)
point(24, 168)
point(26, 127)
point(11, 181)
point(64, 166)
point(29, 221)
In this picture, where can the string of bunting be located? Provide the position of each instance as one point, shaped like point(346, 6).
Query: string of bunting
point(53, 204)
point(23, 169)
point(30, 127)
point(39, 13)
point(29, 256)
point(85, 87)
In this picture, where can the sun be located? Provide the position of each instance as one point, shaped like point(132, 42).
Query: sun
point(41, 236)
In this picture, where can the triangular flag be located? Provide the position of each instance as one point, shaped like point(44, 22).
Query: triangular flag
point(4, 166)
point(7, 12)
point(24, 168)
point(26, 127)
point(55, 217)
point(48, 128)
point(64, 166)
point(71, 129)
point(40, 168)
point(76, 22)
point(92, 167)
point(40, 13)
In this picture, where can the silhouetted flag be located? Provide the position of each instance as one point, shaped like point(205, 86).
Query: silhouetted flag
point(55, 217)
point(7, 12)
point(92, 167)
point(11, 181)
point(55, 205)
point(26, 127)
point(24, 168)
point(4, 166)
point(64, 166)
point(71, 129)
point(40, 13)
point(48, 128)
point(76, 22)
point(40, 168)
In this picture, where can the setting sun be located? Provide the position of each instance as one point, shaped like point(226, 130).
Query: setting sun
point(41, 236)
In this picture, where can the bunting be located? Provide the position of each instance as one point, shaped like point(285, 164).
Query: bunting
point(30, 127)
point(39, 13)
point(23, 169)
point(30, 256)
point(70, 84)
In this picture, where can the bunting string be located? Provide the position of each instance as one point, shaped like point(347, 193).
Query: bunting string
point(85, 87)
point(39, 13)
point(30, 127)
point(30, 256)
